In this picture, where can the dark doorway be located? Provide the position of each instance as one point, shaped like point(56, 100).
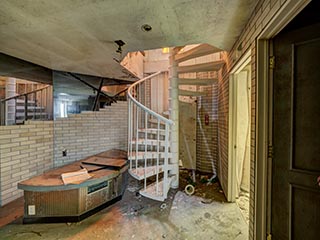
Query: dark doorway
point(296, 121)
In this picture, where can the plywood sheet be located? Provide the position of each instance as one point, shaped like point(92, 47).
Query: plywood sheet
point(76, 177)
point(108, 162)
point(90, 167)
point(53, 177)
point(113, 153)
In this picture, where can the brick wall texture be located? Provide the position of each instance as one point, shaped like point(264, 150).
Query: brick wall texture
point(88, 133)
point(25, 151)
point(262, 14)
point(207, 134)
point(30, 149)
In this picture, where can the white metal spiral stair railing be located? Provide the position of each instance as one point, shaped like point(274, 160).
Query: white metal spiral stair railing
point(148, 143)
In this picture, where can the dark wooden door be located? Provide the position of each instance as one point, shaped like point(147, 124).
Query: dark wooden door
point(296, 124)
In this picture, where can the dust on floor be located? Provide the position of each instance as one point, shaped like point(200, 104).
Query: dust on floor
point(135, 217)
point(243, 203)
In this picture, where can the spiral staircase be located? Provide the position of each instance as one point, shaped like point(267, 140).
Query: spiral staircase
point(152, 138)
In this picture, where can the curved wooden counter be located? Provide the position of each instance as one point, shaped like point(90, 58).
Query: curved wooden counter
point(48, 199)
point(52, 181)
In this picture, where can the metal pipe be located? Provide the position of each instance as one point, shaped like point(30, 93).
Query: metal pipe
point(157, 168)
point(145, 152)
point(166, 161)
point(2, 113)
point(25, 107)
point(34, 106)
point(137, 127)
point(129, 129)
point(15, 112)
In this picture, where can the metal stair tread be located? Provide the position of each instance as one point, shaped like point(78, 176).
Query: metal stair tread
point(155, 121)
point(29, 107)
point(202, 67)
point(197, 81)
point(152, 131)
point(23, 101)
point(190, 93)
point(139, 173)
point(30, 114)
point(150, 142)
point(150, 154)
point(198, 51)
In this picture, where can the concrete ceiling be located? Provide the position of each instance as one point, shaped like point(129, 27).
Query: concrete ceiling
point(78, 35)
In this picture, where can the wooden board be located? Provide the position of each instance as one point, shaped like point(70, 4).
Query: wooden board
point(108, 162)
point(53, 177)
point(96, 165)
point(113, 153)
point(76, 177)
point(90, 167)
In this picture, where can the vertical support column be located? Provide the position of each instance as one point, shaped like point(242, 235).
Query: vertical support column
point(11, 104)
point(174, 115)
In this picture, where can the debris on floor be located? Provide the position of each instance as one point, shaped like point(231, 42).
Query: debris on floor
point(205, 186)
point(189, 189)
point(196, 220)
point(203, 215)
point(243, 203)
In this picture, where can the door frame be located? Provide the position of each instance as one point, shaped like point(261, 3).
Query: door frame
point(232, 181)
point(264, 108)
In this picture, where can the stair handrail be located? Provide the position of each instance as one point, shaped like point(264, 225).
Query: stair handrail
point(139, 113)
point(153, 113)
point(24, 94)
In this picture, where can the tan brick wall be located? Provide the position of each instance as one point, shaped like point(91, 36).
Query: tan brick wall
point(25, 151)
point(223, 121)
point(207, 135)
point(89, 133)
point(28, 150)
point(261, 16)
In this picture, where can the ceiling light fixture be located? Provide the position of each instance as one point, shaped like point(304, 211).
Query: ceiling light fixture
point(120, 43)
point(146, 28)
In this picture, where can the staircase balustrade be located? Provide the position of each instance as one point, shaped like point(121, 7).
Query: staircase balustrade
point(148, 142)
point(33, 105)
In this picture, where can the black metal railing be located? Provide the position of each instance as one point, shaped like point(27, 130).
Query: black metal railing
point(33, 105)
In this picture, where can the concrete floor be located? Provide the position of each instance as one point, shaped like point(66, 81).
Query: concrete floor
point(135, 217)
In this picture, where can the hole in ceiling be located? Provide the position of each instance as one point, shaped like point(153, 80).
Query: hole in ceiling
point(146, 28)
